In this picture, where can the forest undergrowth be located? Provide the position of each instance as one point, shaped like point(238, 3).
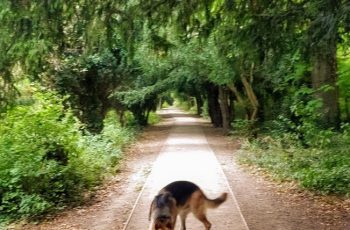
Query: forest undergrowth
point(317, 159)
point(48, 160)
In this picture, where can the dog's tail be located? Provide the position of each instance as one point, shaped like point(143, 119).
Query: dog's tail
point(214, 203)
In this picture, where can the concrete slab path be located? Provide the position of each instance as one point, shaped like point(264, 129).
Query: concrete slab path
point(186, 155)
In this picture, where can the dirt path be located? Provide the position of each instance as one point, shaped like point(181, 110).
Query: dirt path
point(186, 155)
point(268, 205)
point(263, 204)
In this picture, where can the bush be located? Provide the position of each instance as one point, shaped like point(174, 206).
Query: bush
point(153, 118)
point(323, 166)
point(243, 128)
point(330, 174)
point(46, 161)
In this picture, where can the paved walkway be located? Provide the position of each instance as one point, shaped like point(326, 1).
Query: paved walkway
point(186, 155)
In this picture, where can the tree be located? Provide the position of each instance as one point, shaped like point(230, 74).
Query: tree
point(223, 52)
point(45, 41)
point(323, 40)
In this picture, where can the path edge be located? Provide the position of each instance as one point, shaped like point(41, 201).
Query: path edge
point(146, 182)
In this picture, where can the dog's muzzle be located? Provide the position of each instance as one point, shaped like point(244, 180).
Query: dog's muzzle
point(163, 218)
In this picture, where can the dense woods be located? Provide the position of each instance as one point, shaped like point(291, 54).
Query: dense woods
point(76, 75)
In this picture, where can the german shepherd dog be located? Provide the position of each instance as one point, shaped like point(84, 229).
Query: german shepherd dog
point(180, 198)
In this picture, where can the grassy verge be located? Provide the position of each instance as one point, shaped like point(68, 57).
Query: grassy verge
point(324, 170)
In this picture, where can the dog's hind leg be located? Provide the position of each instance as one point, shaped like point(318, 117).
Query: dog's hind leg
point(202, 217)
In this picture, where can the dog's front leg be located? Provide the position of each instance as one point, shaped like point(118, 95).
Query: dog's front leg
point(151, 226)
point(174, 224)
point(183, 216)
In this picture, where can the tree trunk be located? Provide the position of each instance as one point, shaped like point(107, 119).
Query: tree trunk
point(324, 61)
point(213, 105)
point(324, 78)
point(252, 98)
point(160, 103)
point(224, 108)
point(231, 107)
point(235, 91)
point(121, 117)
point(199, 103)
point(239, 99)
point(347, 109)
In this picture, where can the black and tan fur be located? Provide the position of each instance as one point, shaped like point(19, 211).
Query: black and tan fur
point(180, 198)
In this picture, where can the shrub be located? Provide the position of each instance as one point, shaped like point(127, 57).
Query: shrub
point(153, 118)
point(324, 168)
point(243, 128)
point(46, 161)
point(330, 173)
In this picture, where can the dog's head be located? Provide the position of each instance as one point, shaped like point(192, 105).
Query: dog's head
point(164, 212)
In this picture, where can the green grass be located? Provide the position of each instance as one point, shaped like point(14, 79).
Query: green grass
point(322, 170)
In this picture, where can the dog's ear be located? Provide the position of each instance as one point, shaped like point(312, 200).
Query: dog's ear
point(172, 199)
point(159, 200)
point(162, 200)
point(167, 198)
point(150, 210)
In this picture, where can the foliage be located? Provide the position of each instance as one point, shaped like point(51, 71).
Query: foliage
point(153, 118)
point(89, 81)
point(184, 102)
point(344, 83)
point(257, 63)
point(83, 39)
point(46, 161)
point(242, 128)
point(322, 167)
